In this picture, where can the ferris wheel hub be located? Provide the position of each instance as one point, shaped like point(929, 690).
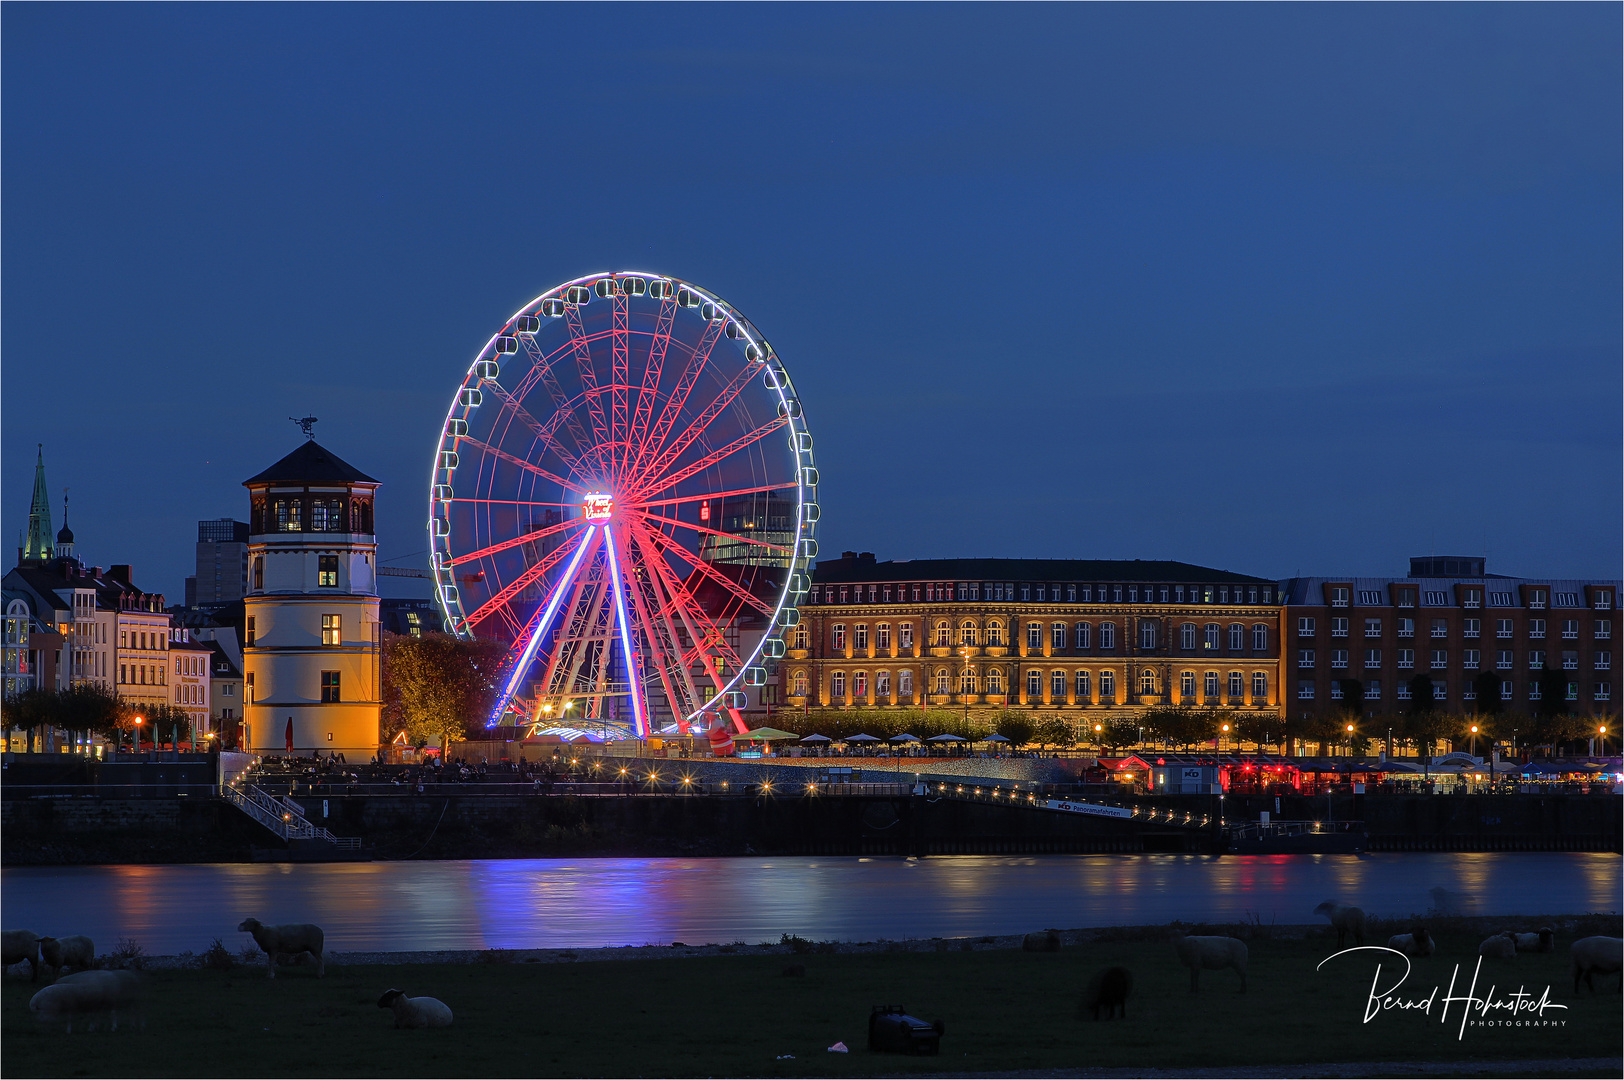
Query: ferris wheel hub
point(598, 506)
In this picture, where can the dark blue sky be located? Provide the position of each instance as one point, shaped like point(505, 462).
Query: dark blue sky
point(1272, 288)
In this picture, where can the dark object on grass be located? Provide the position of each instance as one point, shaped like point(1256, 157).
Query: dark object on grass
point(1108, 990)
point(967, 946)
point(891, 1030)
point(795, 971)
point(1047, 941)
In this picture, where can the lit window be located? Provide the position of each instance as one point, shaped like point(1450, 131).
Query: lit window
point(941, 681)
point(967, 634)
point(330, 630)
point(803, 638)
point(1082, 687)
point(882, 635)
point(1034, 685)
point(943, 636)
point(905, 682)
point(1187, 684)
point(837, 684)
point(1211, 637)
point(327, 570)
point(859, 685)
point(967, 681)
point(861, 636)
point(799, 683)
point(329, 687)
point(905, 635)
point(1107, 685)
point(1107, 635)
point(1034, 635)
point(1080, 635)
point(995, 634)
point(882, 684)
point(838, 631)
point(1057, 634)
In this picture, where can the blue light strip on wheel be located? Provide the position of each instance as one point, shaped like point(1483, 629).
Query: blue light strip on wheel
point(632, 674)
point(542, 626)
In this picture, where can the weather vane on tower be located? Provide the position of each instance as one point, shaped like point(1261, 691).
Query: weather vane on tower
point(306, 425)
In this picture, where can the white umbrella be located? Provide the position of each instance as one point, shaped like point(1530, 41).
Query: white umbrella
point(817, 738)
point(944, 738)
point(904, 738)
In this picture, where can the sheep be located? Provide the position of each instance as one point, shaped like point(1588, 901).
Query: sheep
point(1596, 955)
point(1108, 990)
point(85, 994)
point(291, 939)
point(418, 1012)
point(1499, 947)
point(1539, 941)
point(1346, 919)
point(1416, 943)
point(77, 951)
point(1043, 941)
point(1212, 953)
point(19, 945)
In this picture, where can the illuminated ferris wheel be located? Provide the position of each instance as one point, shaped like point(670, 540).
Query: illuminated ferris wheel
point(624, 489)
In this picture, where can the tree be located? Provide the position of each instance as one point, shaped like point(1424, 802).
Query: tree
point(170, 720)
point(1017, 727)
point(92, 709)
point(1117, 733)
point(1486, 685)
point(1257, 728)
point(1554, 731)
point(1553, 693)
point(436, 685)
point(1053, 731)
point(30, 710)
point(1353, 696)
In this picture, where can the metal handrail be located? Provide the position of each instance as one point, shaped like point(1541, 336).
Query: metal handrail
point(281, 815)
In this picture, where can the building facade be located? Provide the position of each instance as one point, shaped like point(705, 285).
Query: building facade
point(1082, 639)
point(311, 656)
point(1452, 622)
point(190, 686)
point(222, 564)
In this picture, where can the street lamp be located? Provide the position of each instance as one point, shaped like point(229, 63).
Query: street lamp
point(1350, 739)
point(1099, 736)
point(136, 733)
point(1223, 733)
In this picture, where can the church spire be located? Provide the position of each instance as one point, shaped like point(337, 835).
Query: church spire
point(38, 546)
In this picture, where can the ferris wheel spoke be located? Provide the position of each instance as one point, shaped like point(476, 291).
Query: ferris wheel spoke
point(511, 502)
point(542, 431)
point(665, 483)
point(539, 624)
point(679, 397)
point(669, 456)
point(653, 644)
point(692, 617)
point(619, 383)
point(527, 538)
point(577, 635)
point(708, 497)
point(588, 374)
point(634, 670)
point(643, 415)
point(524, 580)
point(655, 519)
point(541, 371)
point(512, 459)
point(656, 610)
point(723, 580)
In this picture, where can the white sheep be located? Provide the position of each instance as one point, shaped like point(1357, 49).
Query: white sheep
point(415, 1012)
point(289, 940)
point(87, 994)
point(1499, 947)
point(1541, 940)
point(19, 945)
point(1417, 943)
point(1213, 954)
point(1346, 919)
point(1596, 956)
point(77, 951)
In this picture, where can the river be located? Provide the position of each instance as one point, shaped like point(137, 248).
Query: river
point(584, 903)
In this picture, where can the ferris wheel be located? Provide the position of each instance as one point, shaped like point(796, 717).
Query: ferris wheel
point(624, 489)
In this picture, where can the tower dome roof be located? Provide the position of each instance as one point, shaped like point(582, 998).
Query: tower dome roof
point(311, 463)
point(64, 535)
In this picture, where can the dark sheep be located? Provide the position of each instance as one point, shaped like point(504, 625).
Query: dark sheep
point(1109, 990)
point(1046, 941)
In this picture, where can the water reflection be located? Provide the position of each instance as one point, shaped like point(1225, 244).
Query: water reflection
point(530, 903)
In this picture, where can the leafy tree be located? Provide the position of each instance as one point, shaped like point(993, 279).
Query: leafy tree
point(168, 721)
point(1553, 693)
point(1258, 728)
point(1321, 728)
point(1427, 727)
point(436, 685)
point(1421, 694)
point(1053, 731)
point(1353, 696)
point(1556, 730)
point(30, 710)
point(1117, 733)
point(1017, 727)
point(1486, 685)
point(92, 709)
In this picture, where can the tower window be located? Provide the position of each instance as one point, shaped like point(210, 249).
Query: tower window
point(327, 570)
point(250, 634)
point(330, 630)
point(259, 571)
point(329, 687)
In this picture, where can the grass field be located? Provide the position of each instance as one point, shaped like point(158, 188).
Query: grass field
point(735, 1016)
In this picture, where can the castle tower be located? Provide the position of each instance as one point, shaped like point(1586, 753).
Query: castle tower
point(37, 548)
point(311, 658)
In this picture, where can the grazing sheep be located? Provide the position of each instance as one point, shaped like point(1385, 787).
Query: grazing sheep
point(1346, 919)
point(87, 994)
point(1045, 941)
point(1108, 990)
point(1416, 943)
point(1499, 947)
point(1597, 956)
point(77, 951)
point(289, 940)
point(19, 945)
point(1541, 940)
point(1212, 953)
point(418, 1012)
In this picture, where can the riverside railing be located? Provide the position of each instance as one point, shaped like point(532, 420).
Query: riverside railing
point(280, 815)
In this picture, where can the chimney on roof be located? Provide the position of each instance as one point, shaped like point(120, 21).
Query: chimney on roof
point(848, 554)
point(867, 556)
point(119, 572)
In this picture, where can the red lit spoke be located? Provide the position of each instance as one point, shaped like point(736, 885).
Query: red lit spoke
point(665, 483)
point(589, 375)
point(619, 380)
point(679, 397)
point(692, 615)
point(711, 496)
point(653, 519)
point(666, 457)
point(657, 584)
point(544, 432)
point(523, 464)
point(707, 570)
point(508, 592)
point(527, 538)
point(643, 415)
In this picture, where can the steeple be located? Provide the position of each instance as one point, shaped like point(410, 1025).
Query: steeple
point(38, 547)
point(64, 536)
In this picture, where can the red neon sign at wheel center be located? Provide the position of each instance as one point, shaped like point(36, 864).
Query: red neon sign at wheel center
point(598, 505)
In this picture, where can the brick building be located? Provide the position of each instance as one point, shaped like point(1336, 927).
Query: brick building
point(1084, 639)
point(1450, 620)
